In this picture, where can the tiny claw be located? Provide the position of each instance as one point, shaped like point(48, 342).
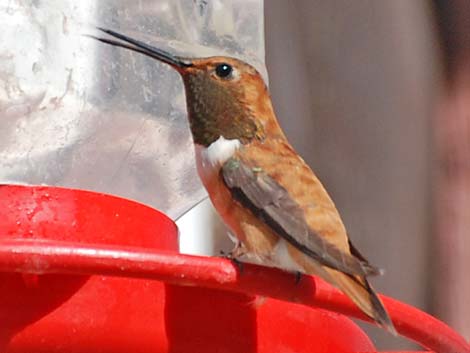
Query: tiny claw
point(238, 263)
point(298, 277)
point(230, 256)
point(224, 254)
point(237, 251)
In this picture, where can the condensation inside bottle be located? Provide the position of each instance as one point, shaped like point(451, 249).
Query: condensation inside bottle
point(77, 113)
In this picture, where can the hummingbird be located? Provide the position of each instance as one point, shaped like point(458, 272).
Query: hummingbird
point(277, 209)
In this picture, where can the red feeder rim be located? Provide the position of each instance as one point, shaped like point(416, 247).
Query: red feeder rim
point(43, 256)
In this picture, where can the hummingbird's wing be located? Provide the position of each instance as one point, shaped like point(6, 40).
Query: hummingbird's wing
point(272, 204)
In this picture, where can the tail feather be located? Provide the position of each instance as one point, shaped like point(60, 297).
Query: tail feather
point(357, 288)
point(363, 295)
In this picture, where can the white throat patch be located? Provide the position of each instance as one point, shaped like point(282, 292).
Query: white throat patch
point(218, 152)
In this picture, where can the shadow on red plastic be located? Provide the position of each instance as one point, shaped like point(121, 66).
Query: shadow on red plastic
point(86, 272)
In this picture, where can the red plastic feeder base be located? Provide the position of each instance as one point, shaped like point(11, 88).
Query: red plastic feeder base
point(87, 272)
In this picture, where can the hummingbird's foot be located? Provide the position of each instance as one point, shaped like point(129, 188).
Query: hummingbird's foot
point(298, 277)
point(233, 256)
point(238, 263)
point(237, 252)
point(225, 255)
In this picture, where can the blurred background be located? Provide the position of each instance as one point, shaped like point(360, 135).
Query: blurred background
point(374, 95)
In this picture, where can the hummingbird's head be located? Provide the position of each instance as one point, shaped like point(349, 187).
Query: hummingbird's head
point(224, 96)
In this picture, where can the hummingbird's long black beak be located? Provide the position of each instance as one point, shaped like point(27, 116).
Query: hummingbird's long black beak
point(140, 47)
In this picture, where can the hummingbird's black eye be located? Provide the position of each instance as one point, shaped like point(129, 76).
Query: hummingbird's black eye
point(223, 70)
